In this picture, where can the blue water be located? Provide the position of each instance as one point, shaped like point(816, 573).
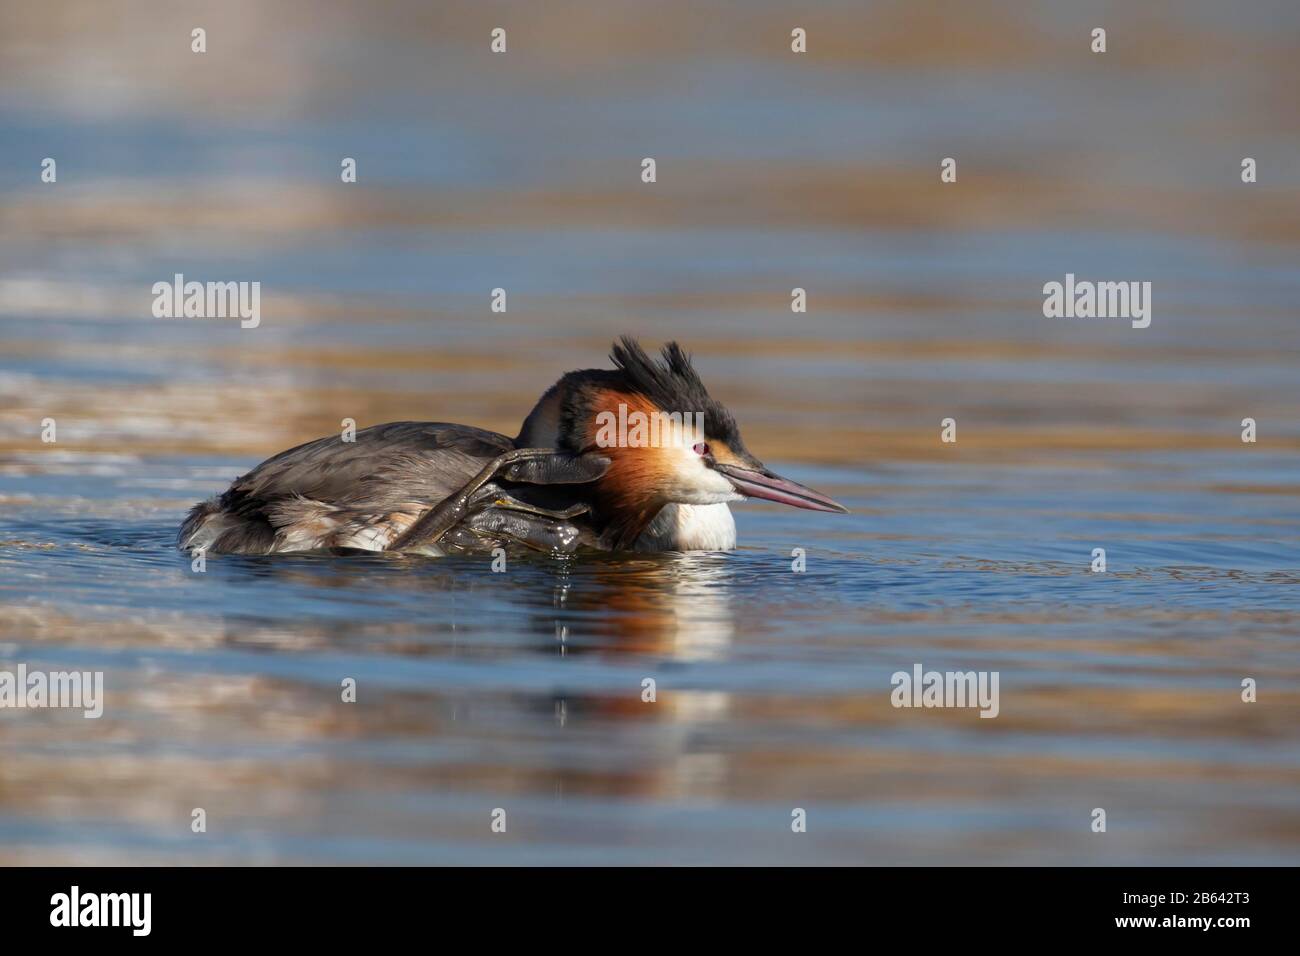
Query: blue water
point(523, 690)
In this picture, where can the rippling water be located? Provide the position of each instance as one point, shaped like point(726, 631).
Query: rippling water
point(523, 690)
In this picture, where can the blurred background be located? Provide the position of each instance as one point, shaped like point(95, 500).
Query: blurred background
point(775, 170)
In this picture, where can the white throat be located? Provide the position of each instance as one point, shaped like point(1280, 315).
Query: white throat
point(690, 528)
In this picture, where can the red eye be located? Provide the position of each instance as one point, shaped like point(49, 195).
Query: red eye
point(700, 449)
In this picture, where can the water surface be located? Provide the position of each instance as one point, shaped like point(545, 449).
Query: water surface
point(523, 690)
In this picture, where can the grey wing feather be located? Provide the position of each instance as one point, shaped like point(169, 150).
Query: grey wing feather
point(332, 493)
point(384, 465)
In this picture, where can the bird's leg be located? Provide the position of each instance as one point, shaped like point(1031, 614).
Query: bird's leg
point(537, 465)
point(442, 517)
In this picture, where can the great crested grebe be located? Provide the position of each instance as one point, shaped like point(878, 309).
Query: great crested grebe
point(561, 485)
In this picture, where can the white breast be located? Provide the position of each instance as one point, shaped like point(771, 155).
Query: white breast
point(690, 528)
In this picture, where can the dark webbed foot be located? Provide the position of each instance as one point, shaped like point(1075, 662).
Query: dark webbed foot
point(508, 502)
point(556, 468)
point(525, 465)
point(497, 527)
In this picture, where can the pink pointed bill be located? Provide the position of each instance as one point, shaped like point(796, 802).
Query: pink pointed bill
point(770, 487)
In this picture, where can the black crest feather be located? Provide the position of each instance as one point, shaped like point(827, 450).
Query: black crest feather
point(673, 385)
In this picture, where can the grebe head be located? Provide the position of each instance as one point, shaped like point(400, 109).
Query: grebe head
point(668, 440)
